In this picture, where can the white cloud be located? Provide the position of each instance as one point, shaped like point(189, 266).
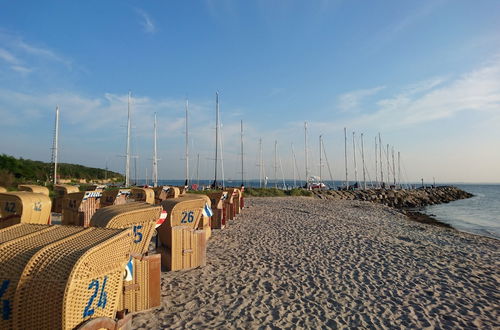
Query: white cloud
point(8, 57)
point(147, 22)
point(21, 69)
point(351, 101)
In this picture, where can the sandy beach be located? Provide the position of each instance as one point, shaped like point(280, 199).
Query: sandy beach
point(304, 262)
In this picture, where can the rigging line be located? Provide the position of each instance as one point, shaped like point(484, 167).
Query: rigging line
point(282, 174)
point(327, 162)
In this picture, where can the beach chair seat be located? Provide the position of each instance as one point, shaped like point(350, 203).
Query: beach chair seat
point(24, 207)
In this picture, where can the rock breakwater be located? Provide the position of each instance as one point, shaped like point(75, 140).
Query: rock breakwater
point(413, 198)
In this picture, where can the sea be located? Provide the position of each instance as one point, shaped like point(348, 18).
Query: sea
point(478, 215)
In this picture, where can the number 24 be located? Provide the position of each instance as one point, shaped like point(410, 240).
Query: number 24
point(103, 297)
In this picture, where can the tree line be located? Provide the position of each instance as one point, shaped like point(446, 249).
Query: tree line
point(19, 170)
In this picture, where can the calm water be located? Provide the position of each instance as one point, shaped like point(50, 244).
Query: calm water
point(478, 215)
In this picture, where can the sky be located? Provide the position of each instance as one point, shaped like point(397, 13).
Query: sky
point(423, 74)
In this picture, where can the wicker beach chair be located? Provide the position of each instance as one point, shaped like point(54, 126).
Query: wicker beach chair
point(173, 192)
point(205, 222)
point(161, 193)
point(139, 216)
point(217, 199)
point(142, 195)
point(79, 207)
point(60, 190)
point(33, 188)
point(114, 197)
point(182, 244)
point(72, 280)
point(22, 242)
point(236, 194)
point(24, 207)
point(21, 229)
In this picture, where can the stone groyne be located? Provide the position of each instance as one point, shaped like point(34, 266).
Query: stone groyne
point(402, 198)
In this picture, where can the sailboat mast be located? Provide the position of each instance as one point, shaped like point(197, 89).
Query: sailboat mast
point(186, 183)
point(155, 157)
point(305, 151)
point(387, 156)
point(380, 159)
point(260, 163)
point(275, 163)
point(127, 153)
point(56, 145)
point(198, 169)
point(399, 170)
point(282, 173)
point(293, 166)
point(354, 153)
point(345, 156)
point(214, 185)
point(376, 167)
point(393, 168)
point(326, 159)
point(242, 172)
point(320, 159)
point(363, 161)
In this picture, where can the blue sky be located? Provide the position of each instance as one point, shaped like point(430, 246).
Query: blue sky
point(425, 74)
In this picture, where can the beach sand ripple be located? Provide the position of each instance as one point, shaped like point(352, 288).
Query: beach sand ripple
point(303, 262)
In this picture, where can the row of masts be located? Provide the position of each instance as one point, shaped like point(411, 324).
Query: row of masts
point(277, 161)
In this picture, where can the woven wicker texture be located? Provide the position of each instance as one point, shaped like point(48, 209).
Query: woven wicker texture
point(16, 253)
point(185, 249)
point(160, 194)
point(182, 211)
point(139, 216)
point(16, 231)
point(236, 194)
point(173, 192)
point(218, 221)
point(34, 188)
point(24, 207)
point(60, 190)
point(72, 280)
point(143, 292)
point(112, 197)
point(142, 195)
point(216, 199)
point(78, 209)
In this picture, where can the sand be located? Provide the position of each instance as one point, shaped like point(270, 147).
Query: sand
point(303, 262)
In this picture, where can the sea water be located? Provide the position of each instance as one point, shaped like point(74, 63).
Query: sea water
point(478, 215)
